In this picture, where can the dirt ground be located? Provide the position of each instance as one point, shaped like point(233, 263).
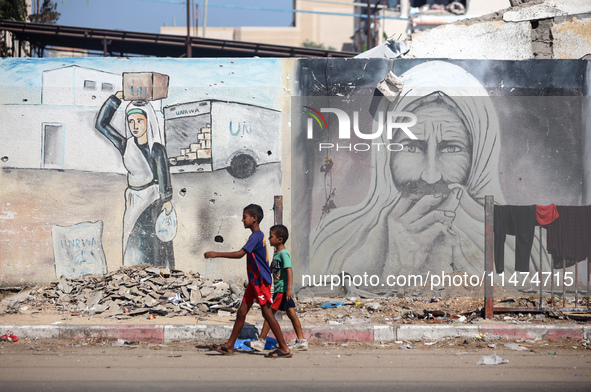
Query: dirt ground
point(313, 311)
point(548, 346)
point(145, 295)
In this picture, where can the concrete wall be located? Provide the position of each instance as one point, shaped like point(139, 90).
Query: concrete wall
point(387, 212)
point(526, 141)
point(547, 29)
point(58, 170)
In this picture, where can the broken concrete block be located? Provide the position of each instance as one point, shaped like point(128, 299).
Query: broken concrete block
point(206, 291)
point(195, 297)
point(390, 86)
point(64, 287)
point(221, 286)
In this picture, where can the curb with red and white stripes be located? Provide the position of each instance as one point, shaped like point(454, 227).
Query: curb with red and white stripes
point(330, 333)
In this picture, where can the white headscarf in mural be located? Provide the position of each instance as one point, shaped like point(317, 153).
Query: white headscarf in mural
point(155, 131)
point(365, 238)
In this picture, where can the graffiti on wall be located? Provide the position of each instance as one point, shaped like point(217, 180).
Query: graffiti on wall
point(78, 250)
point(388, 202)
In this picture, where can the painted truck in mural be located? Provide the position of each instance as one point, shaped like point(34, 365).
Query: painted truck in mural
point(210, 135)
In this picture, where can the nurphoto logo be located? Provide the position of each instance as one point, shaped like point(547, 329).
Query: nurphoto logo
point(388, 121)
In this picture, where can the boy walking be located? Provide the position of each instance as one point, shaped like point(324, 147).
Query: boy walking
point(282, 291)
point(259, 283)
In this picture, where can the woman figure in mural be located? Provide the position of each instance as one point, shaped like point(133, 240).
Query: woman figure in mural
point(149, 191)
point(424, 208)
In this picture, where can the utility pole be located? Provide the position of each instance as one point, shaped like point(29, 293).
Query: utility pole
point(204, 18)
point(197, 20)
point(368, 26)
point(189, 29)
point(404, 8)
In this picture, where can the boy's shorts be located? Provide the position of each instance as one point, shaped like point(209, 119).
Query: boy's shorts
point(259, 294)
point(280, 302)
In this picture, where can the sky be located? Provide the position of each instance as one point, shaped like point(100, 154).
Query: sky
point(257, 83)
point(148, 16)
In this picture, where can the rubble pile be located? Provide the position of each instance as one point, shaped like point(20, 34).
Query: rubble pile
point(131, 291)
point(399, 310)
point(149, 291)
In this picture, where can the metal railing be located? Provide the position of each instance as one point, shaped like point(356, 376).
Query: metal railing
point(545, 303)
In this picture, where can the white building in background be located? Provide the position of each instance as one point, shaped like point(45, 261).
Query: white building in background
point(341, 24)
point(324, 27)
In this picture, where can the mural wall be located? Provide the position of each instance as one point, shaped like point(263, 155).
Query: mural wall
point(383, 164)
point(383, 201)
point(157, 157)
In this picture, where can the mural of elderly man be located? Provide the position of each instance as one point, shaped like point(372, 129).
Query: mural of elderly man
point(424, 207)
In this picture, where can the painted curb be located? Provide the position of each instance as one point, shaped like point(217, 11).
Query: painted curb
point(31, 331)
point(323, 333)
point(138, 333)
point(432, 332)
point(534, 331)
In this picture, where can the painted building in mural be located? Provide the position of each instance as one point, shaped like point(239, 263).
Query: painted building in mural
point(56, 118)
point(365, 192)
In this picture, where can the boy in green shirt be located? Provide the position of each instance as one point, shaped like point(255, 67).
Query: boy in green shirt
point(282, 289)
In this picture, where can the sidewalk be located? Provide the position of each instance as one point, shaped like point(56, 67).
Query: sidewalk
point(145, 304)
point(323, 333)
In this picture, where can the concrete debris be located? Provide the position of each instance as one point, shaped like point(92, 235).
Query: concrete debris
point(131, 291)
point(373, 306)
point(144, 291)
point(391, 49)
point(391, 86)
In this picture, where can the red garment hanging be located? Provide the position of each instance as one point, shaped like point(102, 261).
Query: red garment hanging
point(546, 214)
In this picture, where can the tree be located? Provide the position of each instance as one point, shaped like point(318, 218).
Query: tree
point(312, 44)
point(12, 9)
point(47, 14)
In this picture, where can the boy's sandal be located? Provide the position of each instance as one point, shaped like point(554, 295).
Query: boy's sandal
point(220, 348)
point(278, 354)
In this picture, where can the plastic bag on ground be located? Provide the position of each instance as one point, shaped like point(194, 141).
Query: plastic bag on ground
point(492, 359)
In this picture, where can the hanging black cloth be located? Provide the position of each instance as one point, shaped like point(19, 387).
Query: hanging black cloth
point(569, 236)
point(519, 221)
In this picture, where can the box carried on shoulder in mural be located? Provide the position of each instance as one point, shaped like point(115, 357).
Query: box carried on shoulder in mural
point(144, 86)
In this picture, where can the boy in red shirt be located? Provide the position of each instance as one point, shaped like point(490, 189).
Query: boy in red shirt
point(283, 290)
point(259, 283)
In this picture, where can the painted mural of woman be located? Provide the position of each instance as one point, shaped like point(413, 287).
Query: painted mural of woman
point(149, 190)
point(424, 208)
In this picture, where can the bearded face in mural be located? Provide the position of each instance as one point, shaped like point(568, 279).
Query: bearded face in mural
point(440, 156)
point(424, 208)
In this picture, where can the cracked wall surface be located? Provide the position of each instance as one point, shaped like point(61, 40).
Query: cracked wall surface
point(551, 29)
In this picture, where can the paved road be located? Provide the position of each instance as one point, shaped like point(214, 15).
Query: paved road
point(68, 366)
